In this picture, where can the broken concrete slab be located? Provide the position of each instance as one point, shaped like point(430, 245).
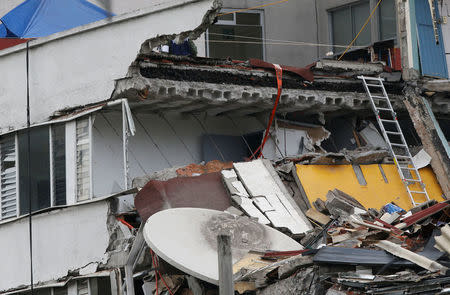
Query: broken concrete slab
point(247, 205)
point(261, 179)
point(293, 264)
point(340, 204)
point(304, 282)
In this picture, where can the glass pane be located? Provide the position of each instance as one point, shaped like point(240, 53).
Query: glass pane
point(226, 17)
point(83, 160)
point(224, 43)
point(8, 178)
point(59, 164)
point(388, 21)
point(243, 18)
point(39, 164)
point(342, 27)
point(360, 13)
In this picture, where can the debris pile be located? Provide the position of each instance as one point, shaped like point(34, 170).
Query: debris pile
point(343, 246)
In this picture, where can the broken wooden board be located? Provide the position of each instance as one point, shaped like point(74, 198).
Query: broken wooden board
point(317, 216)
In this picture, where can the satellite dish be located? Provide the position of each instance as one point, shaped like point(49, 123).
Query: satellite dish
point(186, 238)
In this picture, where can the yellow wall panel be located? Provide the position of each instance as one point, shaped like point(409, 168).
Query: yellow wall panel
point(317, 180)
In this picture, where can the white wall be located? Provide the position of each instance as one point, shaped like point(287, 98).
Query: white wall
point(80, 68)
point(292, 21)
point(182, 147)
point(107, 154)
point(63, 240)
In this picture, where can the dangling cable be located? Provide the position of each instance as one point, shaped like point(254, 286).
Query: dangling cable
point(30, 221)
point(279, 72)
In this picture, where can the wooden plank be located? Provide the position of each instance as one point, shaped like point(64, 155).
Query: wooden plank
point(317, 216)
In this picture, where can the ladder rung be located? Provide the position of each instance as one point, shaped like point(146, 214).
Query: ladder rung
point(370, 78)
point(403, 157)
point(392, 132)
point(374, 85)
point(417, 192)
point(413, 180)
point(407, 168)
point(382, 97)
point(399, 144)
point(390, 121)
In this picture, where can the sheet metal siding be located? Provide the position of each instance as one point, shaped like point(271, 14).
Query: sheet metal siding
point(432, 55)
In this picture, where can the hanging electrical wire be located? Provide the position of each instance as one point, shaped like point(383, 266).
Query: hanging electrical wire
point(274, 41)
point(253, 7)
point(357, 35)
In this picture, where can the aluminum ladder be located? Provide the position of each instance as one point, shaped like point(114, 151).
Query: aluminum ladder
point(393, 135)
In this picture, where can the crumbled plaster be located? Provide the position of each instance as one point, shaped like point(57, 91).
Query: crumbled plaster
point(432, 144)
point(119, 241)
point(208, 19)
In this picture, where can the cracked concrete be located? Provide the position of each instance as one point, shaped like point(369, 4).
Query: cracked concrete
point(156, 95)
point(428, 133)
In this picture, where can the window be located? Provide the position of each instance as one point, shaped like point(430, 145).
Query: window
point(83, 287)
point(59, 164)
point(346, 23)
point(387, 20)
point(8, 178)
point(45, 159)
point(83, 148)
point(37, 183)
point(226, 37)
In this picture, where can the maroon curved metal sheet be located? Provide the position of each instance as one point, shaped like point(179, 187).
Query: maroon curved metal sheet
point(204, 191)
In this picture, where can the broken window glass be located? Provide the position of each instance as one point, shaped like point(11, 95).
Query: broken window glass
point(238, 37)
point(59, 164)
point(38, 162)
point(83, 159)
point(8, 178)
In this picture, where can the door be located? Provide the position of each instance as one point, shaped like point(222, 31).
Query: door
point(432, 52)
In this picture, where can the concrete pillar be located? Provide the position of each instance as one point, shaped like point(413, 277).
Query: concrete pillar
point(428, 131)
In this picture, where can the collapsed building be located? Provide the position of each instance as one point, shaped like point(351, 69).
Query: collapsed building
point(124, 137)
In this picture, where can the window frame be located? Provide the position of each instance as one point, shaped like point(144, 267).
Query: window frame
point(352, 24)
point(51, 176)
point(380, 39)
point(91, 191)
point(233, 23)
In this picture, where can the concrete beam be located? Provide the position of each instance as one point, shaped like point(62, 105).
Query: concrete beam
point(429, 133)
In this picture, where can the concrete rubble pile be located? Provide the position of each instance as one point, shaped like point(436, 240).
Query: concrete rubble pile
point(344, 247)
